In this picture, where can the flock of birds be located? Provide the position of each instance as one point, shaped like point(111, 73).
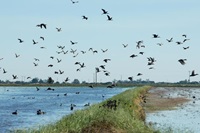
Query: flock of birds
point(101, 67)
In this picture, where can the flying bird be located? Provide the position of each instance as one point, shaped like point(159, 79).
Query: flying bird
point(186, 48)
point(34, 42)
point(84, 17)
point(14, 76)
point(4, 71)
point(58, 29)
point(42, 38)
point(67, 79)
point(104, 11)
point(16, 55)
point(193, 74)
point(182, 61)
point(42, 25)
point(72, 43)
point(106, 60)
point(109, 18)
point(170, 40)
point(104, 50)
point(156, 36)
point(20, 40)
point(125, 45)
point(74, 2)
point(133, 55)
point(139, 74)
point(130, 78)
point(102, 66)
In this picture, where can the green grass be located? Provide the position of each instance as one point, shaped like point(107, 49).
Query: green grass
point(127, 118)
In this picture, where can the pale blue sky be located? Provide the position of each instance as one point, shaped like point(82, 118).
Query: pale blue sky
point(132, 21)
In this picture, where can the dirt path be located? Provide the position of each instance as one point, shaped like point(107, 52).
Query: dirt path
point(164, 98)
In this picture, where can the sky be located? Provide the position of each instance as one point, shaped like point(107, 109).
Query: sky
point(132, 21)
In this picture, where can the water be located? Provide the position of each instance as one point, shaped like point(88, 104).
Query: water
point(27, 100)
point(185, 119)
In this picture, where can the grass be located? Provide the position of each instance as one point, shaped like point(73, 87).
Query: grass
point(128, 117)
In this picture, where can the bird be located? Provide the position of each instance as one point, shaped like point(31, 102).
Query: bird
point(50, 65)
point(71, 107)
point(156, 36)
point(159, 44)
point(125, 45)
point(84, 17)
point(139, 44)
point(91, 86)
point(20, 40)
point(104, 50)
point(4, 71)
point(186, 48)
point(74, 2)
point(39, 112)
point(77, 63)
point(35, 64)
point(59, 60)
point(95, 51)
point(182, 61)
point(185, 40)
point(37, 88)
point(141, 53)
point(34, 42)
point(184, 35)
point(61, 72)
point(170, 40)
point(58, 29)
point(133, 55)
point(73, 51)
point(16, 55)
point(104, 11)
point(83, 52)
point(109, 18)
point(139, 74)
point(42, 38)
point(82, 65)
point(106, 60)
point(67, 79)
point(107, 73)
point(102, 66)
point(42, 25)
point(130, 78)
point(178, 43)
point(15, 112)
point(97, 69)
point(72, 43)
point(14, 76)
point(36, 59)
point(193, 74)
point(87, 104)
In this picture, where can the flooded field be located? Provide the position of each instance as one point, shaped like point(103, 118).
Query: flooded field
point(55, 103)
point(175, 109)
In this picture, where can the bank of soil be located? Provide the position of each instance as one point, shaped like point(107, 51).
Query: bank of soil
point(160, 98)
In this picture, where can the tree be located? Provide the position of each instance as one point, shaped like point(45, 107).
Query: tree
point(50, 80)
point(76, 81)
point(34, 80)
